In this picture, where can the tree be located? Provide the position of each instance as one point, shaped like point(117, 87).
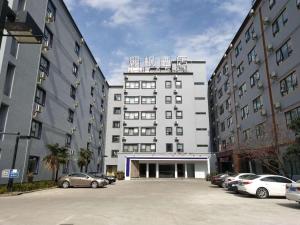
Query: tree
point(84, 159)
point(58, 155)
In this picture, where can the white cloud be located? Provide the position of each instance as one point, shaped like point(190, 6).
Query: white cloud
point(116, 72)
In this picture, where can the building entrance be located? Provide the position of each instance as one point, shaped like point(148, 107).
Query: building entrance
point(167, 171)
point(180, 170)
point(152, 170)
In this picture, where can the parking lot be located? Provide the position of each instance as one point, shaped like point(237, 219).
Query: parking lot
point(156, 202)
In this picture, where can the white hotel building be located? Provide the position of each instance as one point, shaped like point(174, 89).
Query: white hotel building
point(157, 123)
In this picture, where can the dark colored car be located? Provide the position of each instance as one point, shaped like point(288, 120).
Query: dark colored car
point(232, 186)
point(109, 179)
point(219, 179)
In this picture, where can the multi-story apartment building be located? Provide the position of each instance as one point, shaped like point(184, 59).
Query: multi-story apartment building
point(54, 92)
point(254, 91)
point(159, 126)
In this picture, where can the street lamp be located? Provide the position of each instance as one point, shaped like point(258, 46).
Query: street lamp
point(20, 26)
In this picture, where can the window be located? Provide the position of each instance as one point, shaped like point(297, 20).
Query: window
point(51, 10)
point(132, 99)
point(21, 5)
point(200, 113)
point(3, 118)
point(201, 129)
point(148, 84)
point(252, 56)
point(71, 116)
point(231, 140)
point(249, 33)
point(93, 74)
point(115, 139)
point(271, 3)
point(132, 84)
point(148, 115)
point(117, 110)
point(114, 153)
point(68, 140)
point(227, 103)
point(221, 109)
point(179, 147)
point(246, 134)
point(44, 65)
point(77, 48)
point(225, 69)
point(131, 115)
point(92, 91)
point(199, 98)
point(91, 109)
point(220, 93)
point(254, 78)
point(257, 103)
point(202, 146)
point(199, 83)
point(148, 100)
point(178, 84)
point(179, 131)
point(88, 146)
point(131, 131)
point(36, 129)
point(238, 49)
point(14, 47)
point(148, 147)
point(33, 164)
point(168, 99)
point(178, 99)
point(169, 131)
point(89, 128)
point(219, 77)
point(117, 97)
point(9, 78)
point(259, 131)
point(229, 122)
point(292, 115)
point(75, 69)
point(226, 85)
point(284, 52)
point(116, 124)
point(148, 131)
point(240, 69)
point(73, 92)
point(130, 147)
point(279, 23)
point(242, 90)
point(168, 84)
point(288, 84)
point(245, 112)
point(169, 147)
point(168, 114)
point(222, 127)
point(179, 114)
point(48, 37)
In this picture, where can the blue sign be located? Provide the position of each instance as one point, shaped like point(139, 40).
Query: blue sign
point(10, 173)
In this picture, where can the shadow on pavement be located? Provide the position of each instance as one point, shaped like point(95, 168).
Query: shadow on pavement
point(290, 205)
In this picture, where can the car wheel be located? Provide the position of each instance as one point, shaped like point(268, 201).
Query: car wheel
point(262, 193)
point(65, 184)
point(94, 184)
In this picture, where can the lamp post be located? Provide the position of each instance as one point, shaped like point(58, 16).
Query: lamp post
point(20, 26)
point(18, 137)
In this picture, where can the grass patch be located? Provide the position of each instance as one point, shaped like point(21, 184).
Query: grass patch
point(29, 186)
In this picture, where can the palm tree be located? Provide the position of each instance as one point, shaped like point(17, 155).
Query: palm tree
point(58, 155)
point(84, 159)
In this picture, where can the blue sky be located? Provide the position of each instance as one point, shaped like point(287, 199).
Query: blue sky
point(117, 29)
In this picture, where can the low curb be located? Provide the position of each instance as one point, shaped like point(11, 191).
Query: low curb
point(24, 192)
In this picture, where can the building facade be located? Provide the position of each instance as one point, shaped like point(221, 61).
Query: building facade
point(54, 92)
point(254, 91)
point(159, 126)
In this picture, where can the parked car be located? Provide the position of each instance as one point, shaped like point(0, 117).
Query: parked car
point(81, 180)
point(263, 186)
point(232, 182)
point(293, 191)
point(109, 179)
point(219, 179)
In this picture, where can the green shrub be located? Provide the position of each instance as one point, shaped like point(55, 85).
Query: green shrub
point(29, 186)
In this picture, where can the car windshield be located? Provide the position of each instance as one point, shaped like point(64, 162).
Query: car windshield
point(252, 177)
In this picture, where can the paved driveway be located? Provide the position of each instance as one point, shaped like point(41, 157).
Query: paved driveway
point(185, 202)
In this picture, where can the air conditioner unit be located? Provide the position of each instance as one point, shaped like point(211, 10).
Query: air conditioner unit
point(81, 41)
point(124, 124)
point(233, 65)
point(270, 47)
point(123, 139)
point(49, 17)
point(125, 108)
point(277, 105)
point(274, 75)
point(231, 45)
point(254, 36)
point(42, 75)
point(235, 85)
point(155, 92)
point(175, 107)
point(77, 83)
point(79, 61)
point(175, 77)
point(175, 92)
point(176, 123)
point(155, 123)
point(176, 139)
point(90, 139)
point(230, 109)
point(38, 108)
point(155, 139)
point(238, 126)
point(263, 112)
point(76, 104)
point(266, 20)
point(251, 13)
point(155, 107)
point(71, 152)
point(228, 92)
point(256, 60)
point(73, 130)
point(237, 105)
point(46, 46)
point(155, 77)
point(260, 85)
point(126, 77)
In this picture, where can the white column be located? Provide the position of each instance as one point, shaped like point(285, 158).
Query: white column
point(147, 170)
point(208, 165)
point(176, 171)
point(185, 171)
point(157, 171)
